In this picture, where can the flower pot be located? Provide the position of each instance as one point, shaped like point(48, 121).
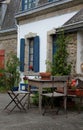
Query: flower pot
point(45, 75)
point(26, 81)
point(79, 92)
point(71, 92)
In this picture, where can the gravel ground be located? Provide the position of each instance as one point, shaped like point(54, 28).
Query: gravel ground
point(33, 120)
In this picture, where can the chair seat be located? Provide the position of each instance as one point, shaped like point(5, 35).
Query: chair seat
point(54, 94)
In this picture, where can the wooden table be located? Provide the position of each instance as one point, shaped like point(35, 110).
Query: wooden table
point(40, 84)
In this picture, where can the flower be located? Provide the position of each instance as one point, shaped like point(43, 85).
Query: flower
point(73, 84)
point(31, 67)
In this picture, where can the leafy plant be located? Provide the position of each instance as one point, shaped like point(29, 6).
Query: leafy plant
point(11, 73)
point(12, 68)
point(60, 64)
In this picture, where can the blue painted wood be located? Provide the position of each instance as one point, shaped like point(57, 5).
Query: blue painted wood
point(54, 45)
point(22, 52)
point(36, 54)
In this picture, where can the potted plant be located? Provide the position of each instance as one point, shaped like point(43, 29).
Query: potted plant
point(25, 78)
point(45, 75)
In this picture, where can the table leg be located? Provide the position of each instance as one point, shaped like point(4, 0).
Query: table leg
point(19, 101)
point(40, 99)
point(65, 98)
point(13, 99)
point(80, 104)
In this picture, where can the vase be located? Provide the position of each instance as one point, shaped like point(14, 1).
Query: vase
point(26, 81)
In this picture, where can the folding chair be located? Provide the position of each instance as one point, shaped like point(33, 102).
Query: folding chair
point(17, 99)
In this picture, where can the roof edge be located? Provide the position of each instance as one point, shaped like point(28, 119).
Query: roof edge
point(8, 31)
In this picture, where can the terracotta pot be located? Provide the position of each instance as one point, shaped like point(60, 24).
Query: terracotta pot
point(45, 75)
point(71, 92)
point(79, 92)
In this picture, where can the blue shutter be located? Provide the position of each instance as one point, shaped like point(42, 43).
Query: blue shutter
point(36, 54)
point(54, 45)
point(22, 52)
point(23, 2)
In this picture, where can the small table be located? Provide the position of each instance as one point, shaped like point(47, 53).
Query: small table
point(17, 97)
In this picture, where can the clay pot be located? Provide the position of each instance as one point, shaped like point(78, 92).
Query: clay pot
point(71, 92)
point(79, 92)
point(45, 75)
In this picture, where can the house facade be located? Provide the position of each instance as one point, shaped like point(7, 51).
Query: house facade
point(8, 29)
point(37, 22)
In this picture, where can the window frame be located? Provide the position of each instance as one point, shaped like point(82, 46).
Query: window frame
point(36, 53)
point(28, 4)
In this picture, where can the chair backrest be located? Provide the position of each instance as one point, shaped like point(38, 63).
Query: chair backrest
point(80, 83)
point(60, 89)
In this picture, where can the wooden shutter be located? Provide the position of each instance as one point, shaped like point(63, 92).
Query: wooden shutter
point(22, 52)
point(2, 57)
point(54, 45)
point(36, 54)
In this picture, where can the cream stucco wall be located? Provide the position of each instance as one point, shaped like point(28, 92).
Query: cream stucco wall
point(79, 52)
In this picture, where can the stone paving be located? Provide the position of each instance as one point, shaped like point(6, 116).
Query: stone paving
point(33, 120)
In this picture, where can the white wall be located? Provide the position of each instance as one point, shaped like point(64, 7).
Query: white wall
point(79, 52)
point(41, 27)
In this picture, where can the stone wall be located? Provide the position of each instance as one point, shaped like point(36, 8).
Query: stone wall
point(8, 43)
point(72, 50)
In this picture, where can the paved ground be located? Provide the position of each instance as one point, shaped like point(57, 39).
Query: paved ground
point(33, 120)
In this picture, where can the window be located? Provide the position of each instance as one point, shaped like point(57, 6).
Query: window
point(33, 54)
point(28, 4)
point(25, 4)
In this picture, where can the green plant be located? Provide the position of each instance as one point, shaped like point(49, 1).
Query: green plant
point(35, 98)
point(10, 75)
point(60, 65)
point(12, 68)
